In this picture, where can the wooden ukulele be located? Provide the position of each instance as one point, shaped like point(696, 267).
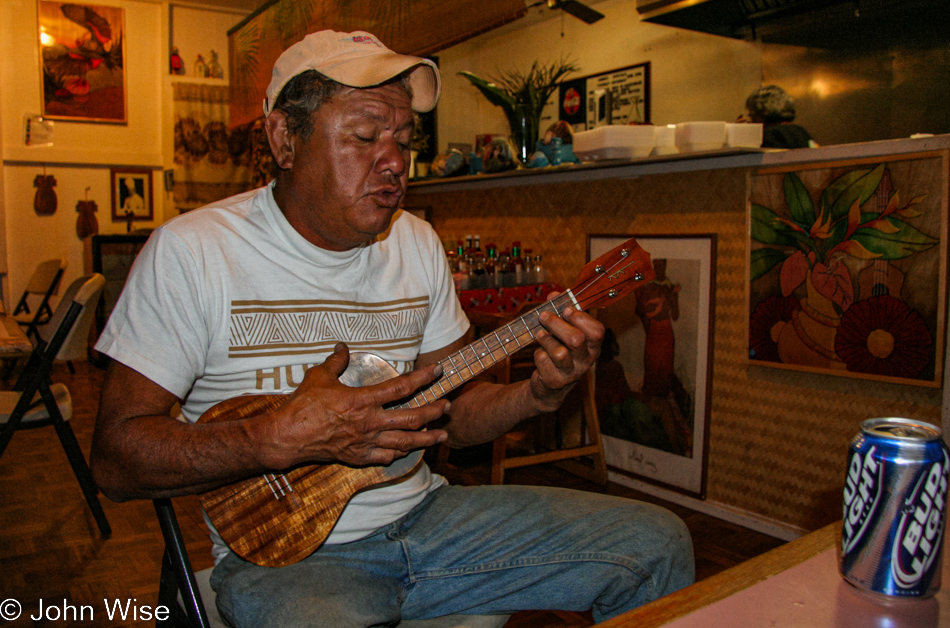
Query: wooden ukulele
point(280, 518)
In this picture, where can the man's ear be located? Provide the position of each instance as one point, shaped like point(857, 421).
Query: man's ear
point(280, 139)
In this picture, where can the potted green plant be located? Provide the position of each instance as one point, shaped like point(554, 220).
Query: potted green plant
point(522, 96)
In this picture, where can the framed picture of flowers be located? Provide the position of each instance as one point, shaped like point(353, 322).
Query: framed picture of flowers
point(653, 380)
point(847, 268)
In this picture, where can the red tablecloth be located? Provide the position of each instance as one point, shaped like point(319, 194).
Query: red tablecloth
point(505, 299)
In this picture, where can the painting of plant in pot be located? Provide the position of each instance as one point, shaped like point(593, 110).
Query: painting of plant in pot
point(847, 268)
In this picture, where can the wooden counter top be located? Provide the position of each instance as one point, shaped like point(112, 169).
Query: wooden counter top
point(797, 584)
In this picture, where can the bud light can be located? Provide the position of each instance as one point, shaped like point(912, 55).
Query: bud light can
point(895, 496)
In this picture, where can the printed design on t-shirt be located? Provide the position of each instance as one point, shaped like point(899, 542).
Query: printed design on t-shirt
point(298, 327)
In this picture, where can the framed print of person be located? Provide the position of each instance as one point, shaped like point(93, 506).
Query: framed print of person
point(131, 195)
point(653, 378)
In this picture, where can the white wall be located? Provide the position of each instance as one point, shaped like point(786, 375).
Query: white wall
point(197, 31)
point(694, 76)
point(83, 153)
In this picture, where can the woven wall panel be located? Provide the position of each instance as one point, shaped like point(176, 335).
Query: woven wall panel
point(777, 438)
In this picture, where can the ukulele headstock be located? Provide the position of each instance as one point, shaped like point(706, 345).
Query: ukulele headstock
point(613, 275)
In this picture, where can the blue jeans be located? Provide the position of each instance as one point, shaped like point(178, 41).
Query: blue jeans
point(474, 550)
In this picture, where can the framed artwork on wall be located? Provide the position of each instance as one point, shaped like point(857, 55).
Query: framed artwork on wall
point(621, 96)
point(654, 376)
point(847, 268)
point(82, 61)
point(132, 195)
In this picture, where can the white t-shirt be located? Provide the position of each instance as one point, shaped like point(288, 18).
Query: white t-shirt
point(229, 299)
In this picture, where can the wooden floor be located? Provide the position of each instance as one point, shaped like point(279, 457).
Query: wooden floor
point(51, 549)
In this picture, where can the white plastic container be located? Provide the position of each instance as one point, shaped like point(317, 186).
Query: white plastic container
point(665, 140)
point(700, 136)
point(744, 134)
point(615, 142)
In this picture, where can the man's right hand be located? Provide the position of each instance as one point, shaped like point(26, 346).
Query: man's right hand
point(327, 421)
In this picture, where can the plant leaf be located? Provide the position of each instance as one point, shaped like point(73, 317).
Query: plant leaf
point(845, 190)
point(761, 261)
point(793, 273)
point(834, 282)
point(855, 249)
point(901, 243)
point(854, 219)
point(767, 229)
point(799, 201)
point(495, 94)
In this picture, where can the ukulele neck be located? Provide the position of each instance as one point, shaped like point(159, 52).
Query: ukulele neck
point(481, 355)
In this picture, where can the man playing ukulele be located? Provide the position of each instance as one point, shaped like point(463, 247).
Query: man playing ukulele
point(267, 292)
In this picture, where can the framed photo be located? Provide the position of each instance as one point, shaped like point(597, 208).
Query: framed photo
point(620, 96)
point(131, 194)
point(654, 376)
point(847, 268)
point(82, 60)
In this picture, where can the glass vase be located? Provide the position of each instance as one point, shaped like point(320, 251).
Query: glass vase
point(524, 131)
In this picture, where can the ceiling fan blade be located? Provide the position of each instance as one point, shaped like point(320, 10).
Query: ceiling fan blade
point(578, 10)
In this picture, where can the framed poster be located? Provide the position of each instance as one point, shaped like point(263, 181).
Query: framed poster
point(847, 268)
point(131, 194)
point(82, 59)
point(654, 375)
point(620, 96)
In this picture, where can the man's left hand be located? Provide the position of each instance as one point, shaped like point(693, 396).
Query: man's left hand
point(569, 346)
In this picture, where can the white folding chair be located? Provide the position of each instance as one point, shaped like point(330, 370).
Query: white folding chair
point(37, 402)
point(43, 284)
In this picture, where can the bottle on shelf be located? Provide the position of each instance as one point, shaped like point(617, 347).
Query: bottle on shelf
point(517, 262)
point(528, 267)
point(540, 274)
point(479, 263)
point(490, 261)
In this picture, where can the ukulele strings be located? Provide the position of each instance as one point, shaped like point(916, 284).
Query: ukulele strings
point(281, 485)
point(488, 350)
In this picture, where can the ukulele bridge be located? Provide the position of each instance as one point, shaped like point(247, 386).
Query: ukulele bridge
point(278, 484)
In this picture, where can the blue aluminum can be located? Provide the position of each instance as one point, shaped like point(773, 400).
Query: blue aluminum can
point(894, 508)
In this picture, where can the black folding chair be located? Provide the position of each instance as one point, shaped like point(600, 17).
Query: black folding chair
point(37, 402)
point(187, 595)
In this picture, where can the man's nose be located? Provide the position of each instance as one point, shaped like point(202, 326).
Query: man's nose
point(393, 159)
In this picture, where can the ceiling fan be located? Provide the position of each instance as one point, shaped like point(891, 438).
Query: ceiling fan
point(578, 10)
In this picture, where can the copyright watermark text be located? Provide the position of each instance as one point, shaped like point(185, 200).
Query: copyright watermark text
point(111, 610)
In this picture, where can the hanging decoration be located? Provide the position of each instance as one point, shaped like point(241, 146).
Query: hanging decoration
point(45, 201)
point(86, 223)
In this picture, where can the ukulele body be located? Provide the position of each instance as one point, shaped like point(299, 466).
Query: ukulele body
point(277, 519)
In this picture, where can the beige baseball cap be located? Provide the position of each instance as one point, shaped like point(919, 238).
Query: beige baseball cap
point(355, 59)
